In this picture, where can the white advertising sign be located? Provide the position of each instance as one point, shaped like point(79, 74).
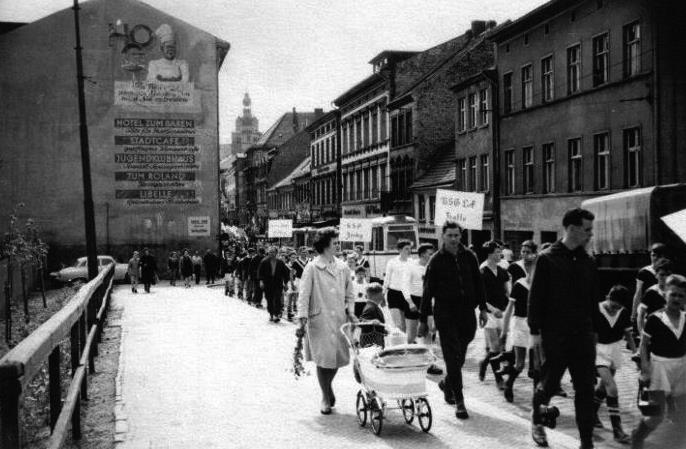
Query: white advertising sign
point(466, 208)
point(198, 226)
point(355, 230)
point(280, 229)
point(677, 223)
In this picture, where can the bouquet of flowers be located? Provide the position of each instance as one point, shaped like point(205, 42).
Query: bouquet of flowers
point(298, 367)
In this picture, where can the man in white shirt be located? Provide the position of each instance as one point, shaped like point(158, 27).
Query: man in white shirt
point(394, 283)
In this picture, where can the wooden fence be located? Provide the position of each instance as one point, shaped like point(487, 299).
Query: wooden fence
point(81, 320)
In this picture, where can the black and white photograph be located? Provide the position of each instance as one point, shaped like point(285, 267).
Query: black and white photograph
point(450, 224)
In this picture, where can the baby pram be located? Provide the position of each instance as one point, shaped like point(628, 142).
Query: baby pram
point(388, 374)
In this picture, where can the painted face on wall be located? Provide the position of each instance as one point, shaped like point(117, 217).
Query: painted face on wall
point(169, 50)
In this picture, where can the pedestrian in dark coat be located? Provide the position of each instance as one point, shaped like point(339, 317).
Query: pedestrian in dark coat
point(563, 299)
point(173, 265)
point(211, 265)
point(187, 268)
point(454, 281)
point(273, 275)
point(148, 269)
point(256, 296)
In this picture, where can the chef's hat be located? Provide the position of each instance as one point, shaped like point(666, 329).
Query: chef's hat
point(164, 33)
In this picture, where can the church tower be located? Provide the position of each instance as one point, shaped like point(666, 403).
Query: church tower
point(246, 132)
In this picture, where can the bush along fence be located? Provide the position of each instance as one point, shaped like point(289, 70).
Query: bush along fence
point(81, 321)
point(23, 258)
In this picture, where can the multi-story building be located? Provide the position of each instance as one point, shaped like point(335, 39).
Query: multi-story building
point(285, 198)
point(591, 100)
point(227, 180)
point(475, 155)
point(259, 165)
point(246, 131)
point(422, 112)
point(364, 131)
point(325, 175)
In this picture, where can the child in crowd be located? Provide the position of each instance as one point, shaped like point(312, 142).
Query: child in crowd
point(663, 358)
point(373, 335)
point(360, 290)
point(613, 322)
point(654, 297)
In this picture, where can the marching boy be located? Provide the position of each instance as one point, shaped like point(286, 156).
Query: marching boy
point(613, 323)
point(663, 358)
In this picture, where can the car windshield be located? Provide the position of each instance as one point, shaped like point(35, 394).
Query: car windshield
point(81, 263)
point(394, 236)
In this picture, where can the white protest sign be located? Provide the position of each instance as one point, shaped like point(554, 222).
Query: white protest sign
point(198, 226)
point(280, 228)
point(466, 208)
point(355, 230)
point(677, 223)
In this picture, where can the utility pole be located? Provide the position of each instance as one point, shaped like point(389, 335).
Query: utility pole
point(88, 209)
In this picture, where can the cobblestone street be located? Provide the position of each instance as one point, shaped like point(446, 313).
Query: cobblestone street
point(200, 369)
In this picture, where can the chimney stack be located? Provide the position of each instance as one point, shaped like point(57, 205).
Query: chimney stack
point(478, 27)
point(295, 121)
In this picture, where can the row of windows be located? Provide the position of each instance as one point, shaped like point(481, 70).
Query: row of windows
point(402, 177)
point(324, 190)
point(366, 129)
point(324, 151)
point(401, 128)
point(324, 129)
point(365, 183)
point(472, 110)
point(421, 208)
point(603, 154)
point(600, 47)
point(473, 174)
point(288, 200)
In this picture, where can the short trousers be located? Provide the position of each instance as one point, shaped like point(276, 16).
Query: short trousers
point(396, 300)
point(519, 333)
point(668, 375)
point(609, 355)
point(359, 307)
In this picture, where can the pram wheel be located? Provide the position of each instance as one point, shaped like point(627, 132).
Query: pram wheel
point(361, 408)
point(407, 406)
point(376, 414)
point(423, 414)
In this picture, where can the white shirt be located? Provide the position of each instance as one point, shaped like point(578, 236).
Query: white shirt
point(414, 282)
point(396, 271)
point(360, 290)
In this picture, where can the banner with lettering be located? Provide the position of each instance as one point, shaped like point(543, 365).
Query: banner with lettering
point(355, 230)
point(280, 229)
point(466, 208)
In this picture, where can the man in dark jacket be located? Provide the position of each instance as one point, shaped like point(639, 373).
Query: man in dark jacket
point(563, 298)
point(148, 269)
point(211, 263)
point(244, 267)
point(273, 275)
point(255, 260)
point(453, 280)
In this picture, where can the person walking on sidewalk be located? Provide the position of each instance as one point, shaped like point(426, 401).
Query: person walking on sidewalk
point(325, 303)
point(613, 325)
point(148, 270)
point(396, 274)
point(453, 280)
point(273, 275)
point(197, 266)
point(173, 266)
point(134, 271)
point(563, 300)
point(211, 262)
point(256, 289)
point(186, 268)
point(663, 360)
point(497, 287)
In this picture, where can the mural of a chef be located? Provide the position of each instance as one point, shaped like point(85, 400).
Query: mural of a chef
point(168, 68)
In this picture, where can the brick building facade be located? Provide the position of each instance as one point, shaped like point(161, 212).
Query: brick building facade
point(325, 166)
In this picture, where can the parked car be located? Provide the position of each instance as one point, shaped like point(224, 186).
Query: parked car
point(79, 271)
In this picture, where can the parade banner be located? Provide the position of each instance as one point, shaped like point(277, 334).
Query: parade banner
point(677, 223)
point(355, 230)
point(280, 229)
point(466, 208)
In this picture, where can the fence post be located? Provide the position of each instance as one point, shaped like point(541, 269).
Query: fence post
point(83, 334)
point(55, 382)
point(24, 293)
point(10, 394)
point(74, 341)
point(92, 320)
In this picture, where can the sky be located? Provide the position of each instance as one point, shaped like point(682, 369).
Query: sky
point(305, 53)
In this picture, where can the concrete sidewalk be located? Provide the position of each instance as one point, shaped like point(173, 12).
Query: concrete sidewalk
point(202, 370)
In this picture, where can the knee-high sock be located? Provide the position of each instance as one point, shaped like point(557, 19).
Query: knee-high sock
point(613, 409)
point(599, 397)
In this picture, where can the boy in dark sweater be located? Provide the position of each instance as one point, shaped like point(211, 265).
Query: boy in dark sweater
point(373, 335)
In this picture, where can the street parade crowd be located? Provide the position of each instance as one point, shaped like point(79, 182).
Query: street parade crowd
point(542, 315)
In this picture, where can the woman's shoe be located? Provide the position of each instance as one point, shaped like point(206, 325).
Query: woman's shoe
point(325, 408)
